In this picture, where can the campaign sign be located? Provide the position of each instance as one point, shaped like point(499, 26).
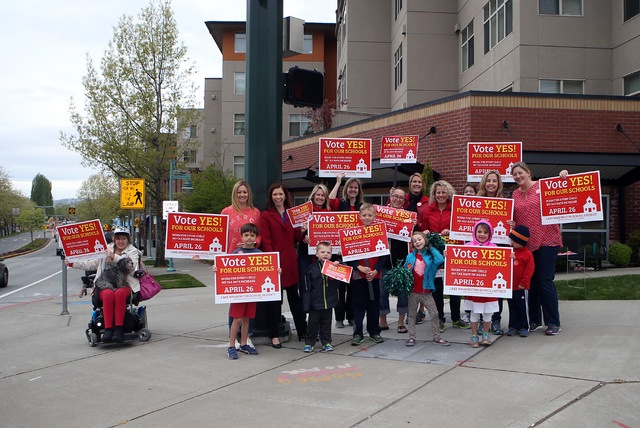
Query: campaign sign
point(399, 222)
point(352, 156)
point(250, 277)
point(363, 242)
point(326, 226)
point(399, 149)
point(466, 211)
point(483, 157)
point(83, 241)
point(339, 272)
point(478, 271)
point(575, 199)
point(193, 234)
point(300, 214)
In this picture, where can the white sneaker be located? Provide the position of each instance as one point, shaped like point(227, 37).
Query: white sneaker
point(238, 345)
point(249, 342)
point(465, 317)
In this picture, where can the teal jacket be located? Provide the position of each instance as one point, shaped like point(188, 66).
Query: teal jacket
point(432, 260)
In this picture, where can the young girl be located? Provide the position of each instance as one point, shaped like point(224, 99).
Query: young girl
point(423, 262)
point(484, 306)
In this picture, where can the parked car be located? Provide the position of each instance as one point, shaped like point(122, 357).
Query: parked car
point(4, 274)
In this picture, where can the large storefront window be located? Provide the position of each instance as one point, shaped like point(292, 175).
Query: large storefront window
point(591, 236)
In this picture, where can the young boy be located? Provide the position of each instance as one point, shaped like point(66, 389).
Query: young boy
point(523, 266)
point(319, 297)
point(365, 286)
point(242, 312)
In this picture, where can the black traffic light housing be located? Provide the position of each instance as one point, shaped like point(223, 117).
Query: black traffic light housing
point(304, 88)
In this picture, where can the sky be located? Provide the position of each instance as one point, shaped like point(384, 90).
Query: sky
point(43, 46)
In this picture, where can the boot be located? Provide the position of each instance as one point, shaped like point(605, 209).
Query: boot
point(118, 334)
point(107, 335)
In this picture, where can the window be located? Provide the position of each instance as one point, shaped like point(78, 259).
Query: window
point(631, 9)
point(632, 83)
point(238, 166)
point(397, 59)
point(549, 86)
point(190, 132)
point(498, 22)
point(307, 44)
point(298, 125)
point(467, 46)
point(239, 82)
point(240, 43)
point(190, 156)
point(342, 88)
point(560, 7)
point(397, 8)
point(588, 237)
point(238, 124)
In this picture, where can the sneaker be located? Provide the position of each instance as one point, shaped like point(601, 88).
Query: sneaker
point(420, 317)
point(460, 324)
point(232, 354)
point(250, 343)
point(339, 324)
point(513, 332)
point(475, 342)
point(442, 326)
point(357, 340)
point(465, 317)
point(237, 345)
point(307, 348)
point(533, 326)
point(524, 332)
point(328, 347)
point(376, 338)
point(496, 328)
point(486, 340)
point(480, 328)
point(249, 350)
point(552, 330)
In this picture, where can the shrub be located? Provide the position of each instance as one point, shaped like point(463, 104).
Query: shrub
point(620, 254)
point(634, 242)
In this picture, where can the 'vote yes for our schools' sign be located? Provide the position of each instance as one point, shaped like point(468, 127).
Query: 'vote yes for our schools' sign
point(351, 156)
point(484, 157)
point(572, 200)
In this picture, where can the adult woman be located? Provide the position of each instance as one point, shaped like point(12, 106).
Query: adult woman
point(319, 198)
point(437, 218)
point(352, 199)
point(240, 212)
point(399, 251)
point(491, 186)
point(279, 236)
point(114, 302)
point(416, 200)
point(544, 242)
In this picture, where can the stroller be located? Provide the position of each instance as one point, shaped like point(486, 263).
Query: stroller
point(135, 318)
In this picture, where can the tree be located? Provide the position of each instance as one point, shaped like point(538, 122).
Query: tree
point(41, 191)
point(321, 118)
point(10, 198)
point(211, 191)
point(31, 219)
point(99, 198)
point(132, 108)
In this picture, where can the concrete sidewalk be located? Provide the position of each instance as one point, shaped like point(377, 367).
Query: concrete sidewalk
point(587, 376)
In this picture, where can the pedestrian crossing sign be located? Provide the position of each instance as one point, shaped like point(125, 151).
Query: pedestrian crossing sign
point(132, 193)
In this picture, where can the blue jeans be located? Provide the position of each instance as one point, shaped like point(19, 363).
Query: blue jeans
point(385, 308)
point(543, 296)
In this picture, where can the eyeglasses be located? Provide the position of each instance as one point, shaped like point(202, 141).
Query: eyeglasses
point(397, 196)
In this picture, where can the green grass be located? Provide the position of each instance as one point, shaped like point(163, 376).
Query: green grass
point(625, 287)
point(177, 280)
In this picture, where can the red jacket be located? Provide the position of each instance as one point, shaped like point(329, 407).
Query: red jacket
point(434, 220)
point(280, 236)
point(523, 267)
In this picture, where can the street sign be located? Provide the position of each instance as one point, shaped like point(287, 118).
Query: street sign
point(72, 210)
point(132, 193)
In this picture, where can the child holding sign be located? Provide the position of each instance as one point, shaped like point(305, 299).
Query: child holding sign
point(478, 306)
point(423, 263)
point(319, 297)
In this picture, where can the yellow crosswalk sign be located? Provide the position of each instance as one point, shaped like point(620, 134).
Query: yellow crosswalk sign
point(132, 193)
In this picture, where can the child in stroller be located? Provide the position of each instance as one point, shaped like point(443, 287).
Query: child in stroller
point(135, 317)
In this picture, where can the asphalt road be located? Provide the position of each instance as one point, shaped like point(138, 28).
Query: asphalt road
point(36, 276)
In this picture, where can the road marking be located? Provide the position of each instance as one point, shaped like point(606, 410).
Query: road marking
point(30, 285)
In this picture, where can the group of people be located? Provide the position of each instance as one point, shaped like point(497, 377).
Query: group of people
point(310, 292)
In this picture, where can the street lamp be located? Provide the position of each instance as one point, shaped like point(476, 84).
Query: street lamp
point(186, 188)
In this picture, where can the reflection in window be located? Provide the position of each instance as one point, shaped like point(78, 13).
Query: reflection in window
point(240, 45)
point(467, 46)
point(239, 82)
point(238, 124)
point(560, 7)
point(632, 83)
point(498, 22)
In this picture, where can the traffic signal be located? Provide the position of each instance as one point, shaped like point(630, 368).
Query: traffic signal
point(304, 88)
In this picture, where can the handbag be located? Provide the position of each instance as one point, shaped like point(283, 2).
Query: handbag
point(149, 287)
